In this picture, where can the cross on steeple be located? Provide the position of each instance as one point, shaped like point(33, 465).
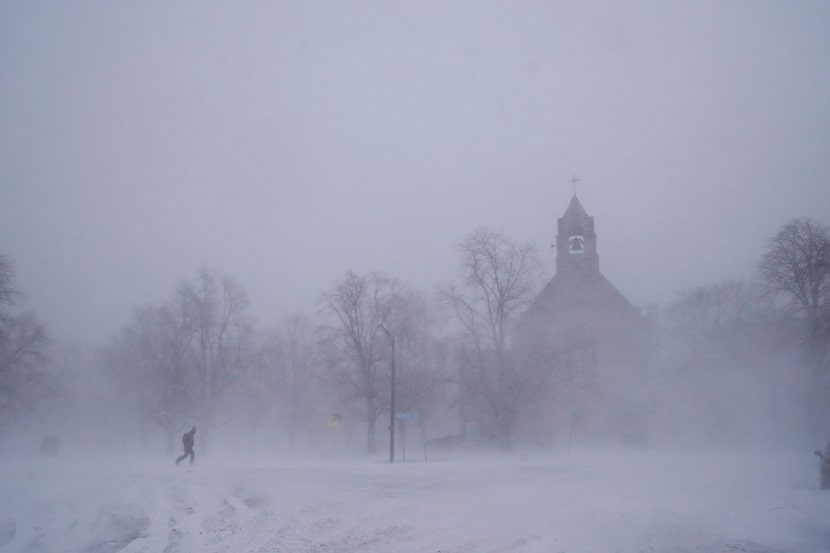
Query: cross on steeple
point(573, 180)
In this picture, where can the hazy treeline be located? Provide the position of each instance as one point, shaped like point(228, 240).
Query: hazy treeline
point(733, 361)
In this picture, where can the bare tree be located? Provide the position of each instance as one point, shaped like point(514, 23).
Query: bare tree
point(8, 294)
point(176, 362)
point(222, 344)
point(725, 350)
point(421, 361)
point(355, 344)
point(498, 282)
point(151, 364)
point(279, 387)
point(261, 387)
point(299, 375)
point(22, 342)
point(796, 263)
point(712, 320)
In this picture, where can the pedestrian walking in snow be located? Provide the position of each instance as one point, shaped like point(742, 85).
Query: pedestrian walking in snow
point(187, 440)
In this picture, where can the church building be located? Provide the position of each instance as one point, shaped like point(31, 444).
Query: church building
point(597, 343)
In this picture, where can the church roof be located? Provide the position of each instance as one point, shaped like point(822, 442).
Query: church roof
point(575, 210)
point(580, 291)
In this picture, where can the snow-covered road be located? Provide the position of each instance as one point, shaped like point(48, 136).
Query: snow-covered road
point(531, 502)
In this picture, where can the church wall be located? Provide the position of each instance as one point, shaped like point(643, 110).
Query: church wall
point(598, 344)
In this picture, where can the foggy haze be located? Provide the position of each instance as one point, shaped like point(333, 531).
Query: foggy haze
point(313, 230)
point(285, 143)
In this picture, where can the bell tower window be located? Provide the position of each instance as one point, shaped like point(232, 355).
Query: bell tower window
point(576, 244)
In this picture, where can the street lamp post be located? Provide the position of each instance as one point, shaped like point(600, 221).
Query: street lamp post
point(392, 398)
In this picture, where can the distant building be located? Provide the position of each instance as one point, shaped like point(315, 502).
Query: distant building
point(596, 343)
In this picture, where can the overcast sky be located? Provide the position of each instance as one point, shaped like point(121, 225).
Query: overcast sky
point(283, 143)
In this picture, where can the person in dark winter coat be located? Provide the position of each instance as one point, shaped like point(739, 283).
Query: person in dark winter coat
point(187, 440)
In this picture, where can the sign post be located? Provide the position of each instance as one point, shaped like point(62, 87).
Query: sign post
point(403, 417)
point(334, 424)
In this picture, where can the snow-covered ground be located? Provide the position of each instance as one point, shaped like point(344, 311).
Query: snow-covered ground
point(521, 502)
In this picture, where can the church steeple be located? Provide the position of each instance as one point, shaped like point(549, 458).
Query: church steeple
point(576, 241)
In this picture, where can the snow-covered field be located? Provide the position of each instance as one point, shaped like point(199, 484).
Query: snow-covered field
point(519, 502)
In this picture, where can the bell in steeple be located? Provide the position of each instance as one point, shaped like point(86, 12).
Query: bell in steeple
point(576, 241)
